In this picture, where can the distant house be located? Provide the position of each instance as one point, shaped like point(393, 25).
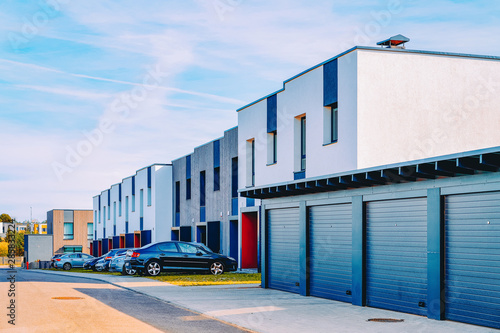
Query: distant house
point(71, 230)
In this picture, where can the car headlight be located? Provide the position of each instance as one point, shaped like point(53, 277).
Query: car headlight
point(231, 258)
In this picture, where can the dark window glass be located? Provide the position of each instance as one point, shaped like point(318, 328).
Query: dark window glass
point(188, 189)
point(167, 247)
point(202, 188)
point(216, 179)
point(186, 248)
point(303, 143)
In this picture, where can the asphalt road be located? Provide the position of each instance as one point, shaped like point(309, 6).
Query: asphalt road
point(99, 307)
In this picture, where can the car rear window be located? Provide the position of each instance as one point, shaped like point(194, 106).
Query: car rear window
point(167, 247)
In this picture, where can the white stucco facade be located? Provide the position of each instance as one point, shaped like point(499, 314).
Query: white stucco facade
point(393, 106)
point(154, 205)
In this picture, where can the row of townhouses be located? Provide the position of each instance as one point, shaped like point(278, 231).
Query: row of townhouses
point(371, 178)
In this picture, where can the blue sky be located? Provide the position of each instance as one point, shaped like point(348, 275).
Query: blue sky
point(168, 75)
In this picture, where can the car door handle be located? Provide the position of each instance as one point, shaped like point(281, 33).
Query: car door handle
point(185, 256)
point(162, 254)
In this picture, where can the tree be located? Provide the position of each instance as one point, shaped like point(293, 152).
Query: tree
point(5, 218)
point(4, 249)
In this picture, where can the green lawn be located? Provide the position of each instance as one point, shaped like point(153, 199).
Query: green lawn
point(183, 279)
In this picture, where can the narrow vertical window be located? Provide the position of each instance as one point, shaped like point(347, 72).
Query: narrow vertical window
point(141, 203)
point(133, 202)
point(334, 124)
point(90, 230)
point(303, 143)
point(253, 162)
point(272, 147)
point(188, 189)
point(202, 188)
point(126, 209)
point(250, 162)
point(217, 179)
point(177, 221)
point(68, 224)
point(149, 196)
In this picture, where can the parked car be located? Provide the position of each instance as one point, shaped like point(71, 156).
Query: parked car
point(117, 264)
point(155, 258)
point(53, 259)
point(72, 260)
point(103, 263)
point(91, 263)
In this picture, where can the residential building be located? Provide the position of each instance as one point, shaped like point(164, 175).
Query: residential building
point(206, 199)
point(40, 228)
point(70, 230)
point(134, 212)
point(377, 176)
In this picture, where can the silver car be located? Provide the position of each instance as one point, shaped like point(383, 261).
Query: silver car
point(71, 260)
point(118, 265)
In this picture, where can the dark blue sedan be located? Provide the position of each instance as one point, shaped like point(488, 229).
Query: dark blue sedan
point(176, 256)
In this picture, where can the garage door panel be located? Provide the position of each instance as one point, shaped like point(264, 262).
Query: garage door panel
point(396, 255)
point(283, 249)
point(330, 251)
point(472, 265)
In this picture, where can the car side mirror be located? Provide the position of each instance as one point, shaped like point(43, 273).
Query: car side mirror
point(199, 253)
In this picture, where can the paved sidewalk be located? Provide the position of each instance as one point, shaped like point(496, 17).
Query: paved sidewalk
point(266, 310)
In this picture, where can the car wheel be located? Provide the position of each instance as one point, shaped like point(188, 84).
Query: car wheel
point(128, 271)
point(99, 269)
point(67, 266)
point(217, 268)
point(153, 268)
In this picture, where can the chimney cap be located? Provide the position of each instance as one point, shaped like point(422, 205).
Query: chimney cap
point(394, 41)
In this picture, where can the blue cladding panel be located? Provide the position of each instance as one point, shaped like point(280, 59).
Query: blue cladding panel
point(149, 177)
point(114, 230)
point(233, 239)
point(95, 248)
point(396, 255)
point(120, 192)
point(250, 202)
point(99, 202)
point(177, 219)
point(330, 83)
point(213, 233)
point(126, 227)
point(109, 197)
point(145, 237)
point(116, 242)
point(185, 233)
point(283, 248)
point(234, 206)
point(133, 185)
point(175, 235)
point(216, 153)
point(104, 246)
point(141, 223)
point(472, 292)
point(104, 232)
point(129, 240)
point(202, 214)
point(299, 175)
point(330, 251)
point(272, 108)
point(188, 167)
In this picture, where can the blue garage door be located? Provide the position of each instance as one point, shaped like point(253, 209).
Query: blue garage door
point(396, 255)
point(472, 281)
point(283, 249)
point(330, 251)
